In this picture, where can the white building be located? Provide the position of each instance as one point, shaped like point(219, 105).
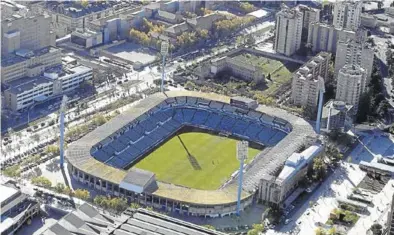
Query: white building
point(351, 84)
point(305, 83)
point(275, 190)
point(288, 31)
point(324, 37)
point(310, 15)
point(24, 92)
point(337, 115)
point(347, 14)
point(355, 52)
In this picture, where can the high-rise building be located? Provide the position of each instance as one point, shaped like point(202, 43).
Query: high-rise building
point(30, 32)
point(305, 84)
point(310, 15)
point(347, 14)
point(355, 51)
point(324, 37)
point(288, 30)
point(351, 84)
point(337, 115)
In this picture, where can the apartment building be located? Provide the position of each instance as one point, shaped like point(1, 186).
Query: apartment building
point(279, 190)
point(310, 15)
point(337, 115)
point(324, 37)
point(27, 63)
point(351, 84)
point(288, 30)
point(68, 16)
point(305, 83)
point(355, 51)
point(347, 14)
point(9, 8)
point(24, 92)
point(25, 32)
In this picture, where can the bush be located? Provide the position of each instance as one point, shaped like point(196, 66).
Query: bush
point(59, 188)
point(41, 181)
point(82, 194)
point(12, 171)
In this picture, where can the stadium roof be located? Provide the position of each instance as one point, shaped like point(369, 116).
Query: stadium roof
point(139, 221)
point(268, 162)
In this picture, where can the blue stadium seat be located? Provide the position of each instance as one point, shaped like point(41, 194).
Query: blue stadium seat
point(160, 116)
point(240, 127)
point(101, 156)
point(118, 145)
point(109, 150)
point(172, 125)
point(132, 135)
point(178, 116)
point(137, 128)
point(133, 152)
point(123, 138)
point(150, 125)
point(265, 135)
point(188, 114)
point(117, 162)
point(252, 131)
point(277, 137)
point(213, 120)
point(227, 123)
point(200, 117)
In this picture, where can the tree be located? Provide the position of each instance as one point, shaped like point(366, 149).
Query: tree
point(319, 168)
point(99, 120)
point(332, 231)
point(35, 138)
point(246, 7)
point(134, 206)
point(53, 149)
point(203, 33)
point(59, 188)
point(41, 181)
point(377, 229)
point(84, 3)
point(12, 171)
point(257, 229)
point(82, 194)
point(319, 231)
point(208, 226)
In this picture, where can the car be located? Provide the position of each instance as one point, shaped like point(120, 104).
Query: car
point(299, 222)
point(287, 221)
point(308, 213)
point(308, 190)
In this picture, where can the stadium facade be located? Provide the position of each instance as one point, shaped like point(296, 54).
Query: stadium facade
point(104, 158)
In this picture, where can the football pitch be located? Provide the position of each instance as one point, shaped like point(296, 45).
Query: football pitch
point(195, 159)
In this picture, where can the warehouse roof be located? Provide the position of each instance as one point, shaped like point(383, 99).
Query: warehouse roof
point(139, 221)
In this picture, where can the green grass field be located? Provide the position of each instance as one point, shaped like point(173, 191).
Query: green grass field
point(212, 161)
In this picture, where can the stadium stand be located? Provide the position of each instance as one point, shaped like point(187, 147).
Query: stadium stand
point(98, 161)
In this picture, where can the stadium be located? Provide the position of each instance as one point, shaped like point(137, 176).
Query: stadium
point(176, 152)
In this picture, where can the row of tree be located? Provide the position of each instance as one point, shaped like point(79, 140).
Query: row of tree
point(115, 203)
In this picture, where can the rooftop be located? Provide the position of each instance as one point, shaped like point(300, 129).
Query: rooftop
point(89, 220)
point(75, 10)
point(23, 54)
point(6, 192)
point(298, 160)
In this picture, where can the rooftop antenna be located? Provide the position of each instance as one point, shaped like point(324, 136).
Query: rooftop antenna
point(63, 109)
point(242, 153)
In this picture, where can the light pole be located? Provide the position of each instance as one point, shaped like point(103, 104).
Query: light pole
point(63, 108)
point(242, 154)
point(163, 52)
point(322, 90)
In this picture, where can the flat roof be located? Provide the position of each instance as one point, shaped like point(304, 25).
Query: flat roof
point(6, 192)
point(259, 13)
point(267, 162)
point(12, 59)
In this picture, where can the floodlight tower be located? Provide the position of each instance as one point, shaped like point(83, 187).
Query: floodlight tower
point(163, 52)
point(242, 153)
point(322, 90)
point(63, 109)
